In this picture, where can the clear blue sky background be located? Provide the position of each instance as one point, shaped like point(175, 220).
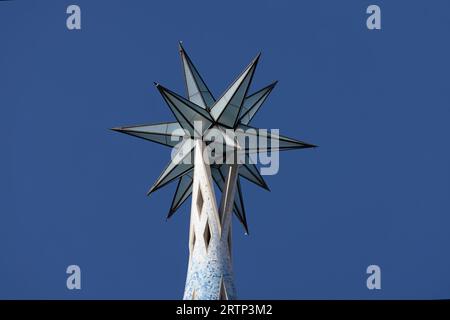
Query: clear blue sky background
point(375, 192)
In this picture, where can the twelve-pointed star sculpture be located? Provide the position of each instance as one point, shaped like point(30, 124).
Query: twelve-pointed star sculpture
point(233, 110)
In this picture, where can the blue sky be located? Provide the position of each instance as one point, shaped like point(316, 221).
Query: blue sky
point(375, 191)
